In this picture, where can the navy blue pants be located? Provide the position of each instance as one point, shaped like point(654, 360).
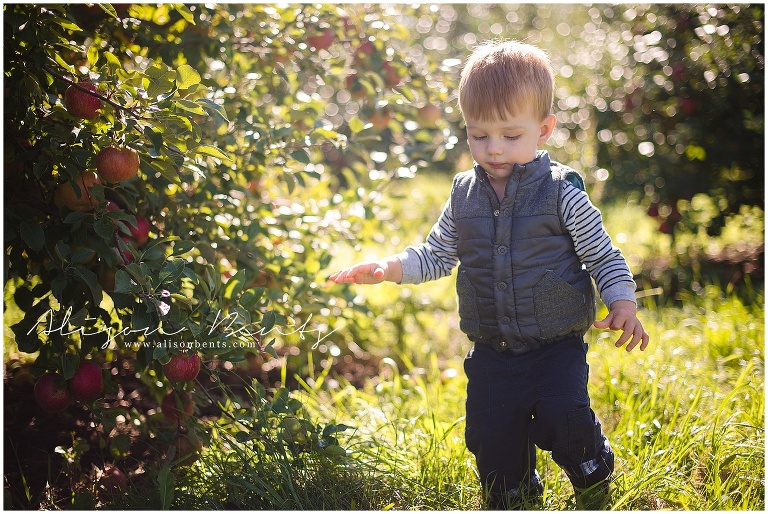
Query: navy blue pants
point(515, 403)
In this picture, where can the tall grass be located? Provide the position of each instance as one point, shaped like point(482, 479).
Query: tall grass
point(685, 419)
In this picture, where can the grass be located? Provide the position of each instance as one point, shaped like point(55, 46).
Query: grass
point(685, 419)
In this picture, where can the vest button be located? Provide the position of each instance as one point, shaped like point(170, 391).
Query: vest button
point(501, 286)
point(496, 212)
point(502, 250)
point(503, 344)
point(505, 319)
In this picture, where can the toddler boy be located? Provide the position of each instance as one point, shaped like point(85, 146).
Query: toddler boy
point(528, 243)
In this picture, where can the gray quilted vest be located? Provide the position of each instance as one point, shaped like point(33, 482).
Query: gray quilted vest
point(520, 284)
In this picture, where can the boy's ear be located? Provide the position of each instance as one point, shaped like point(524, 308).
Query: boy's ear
point(547, 127)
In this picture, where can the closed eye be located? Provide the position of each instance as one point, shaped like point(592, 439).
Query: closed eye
point(512, 138)
point(479, 138)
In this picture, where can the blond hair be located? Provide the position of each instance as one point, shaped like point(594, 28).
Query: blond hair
point(502, 78)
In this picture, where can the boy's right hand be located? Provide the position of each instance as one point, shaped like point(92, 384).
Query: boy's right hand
point(373, 272)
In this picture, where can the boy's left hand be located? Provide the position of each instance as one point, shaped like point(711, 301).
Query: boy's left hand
point(622, 317)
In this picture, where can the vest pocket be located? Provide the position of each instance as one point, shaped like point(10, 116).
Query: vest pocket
point(469, 315)
point(560, 308)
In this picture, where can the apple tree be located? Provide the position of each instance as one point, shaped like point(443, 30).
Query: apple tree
point(175, 177)
point(686, 114)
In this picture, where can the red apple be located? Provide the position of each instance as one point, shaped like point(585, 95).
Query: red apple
point(182, 368)
point(363, 52)
point(380, 118)
point(51, 393)
point(140, 232)
point(117, 164)
point(113, 480)
point(65, 194)
point(171, 403)
point(86, 384)
point(80, 104)
point(321, 40)
point(391, 76)
point(428, 115)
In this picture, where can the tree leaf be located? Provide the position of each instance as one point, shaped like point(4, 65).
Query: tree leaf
point(93, 55)
point(356, 125)
point(212, 151)
point(33, 235)
point(210, 105)
point(186, 76)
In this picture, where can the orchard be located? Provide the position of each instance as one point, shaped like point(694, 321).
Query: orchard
point(179, 178)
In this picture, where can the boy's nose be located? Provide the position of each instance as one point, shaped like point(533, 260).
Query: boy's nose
point(494, 149)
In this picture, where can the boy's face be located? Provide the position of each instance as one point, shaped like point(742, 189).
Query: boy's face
point(499, 144)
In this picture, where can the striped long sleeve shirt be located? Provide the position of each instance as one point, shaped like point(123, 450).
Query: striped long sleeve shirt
point(437, 256)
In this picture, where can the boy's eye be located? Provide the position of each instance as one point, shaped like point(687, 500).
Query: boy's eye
point(513, 138)
point(478, 138)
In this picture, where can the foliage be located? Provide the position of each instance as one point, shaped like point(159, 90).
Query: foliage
point(687, 111)
point(251, 140)
point(240, 167)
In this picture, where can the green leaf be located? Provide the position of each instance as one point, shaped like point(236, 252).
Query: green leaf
point(69, 365)
point(75, 216)
point(182, 247)
point(356, 125)
point(301, 155)
point(166, 482)
point(93, 55)
point(172, 270)
point(186, 77)
point(123, 283)
point(190, 106)
point(33, 235)
point(112, 59)
point(212, 151)
point(155, 136)
point(268, 321)
point(91, 280)
point(120, 445)
point(210, 105)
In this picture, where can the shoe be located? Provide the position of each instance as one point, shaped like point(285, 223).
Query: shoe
point(597, 497)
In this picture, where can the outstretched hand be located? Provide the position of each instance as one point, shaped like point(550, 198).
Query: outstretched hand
point(622, 317)
point(364, 273)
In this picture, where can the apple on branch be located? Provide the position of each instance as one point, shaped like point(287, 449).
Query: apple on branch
point(182, 367)
point(117, 164)
point(65, 195)
point(86, 384)
point(51, 393)
point(80, 104)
